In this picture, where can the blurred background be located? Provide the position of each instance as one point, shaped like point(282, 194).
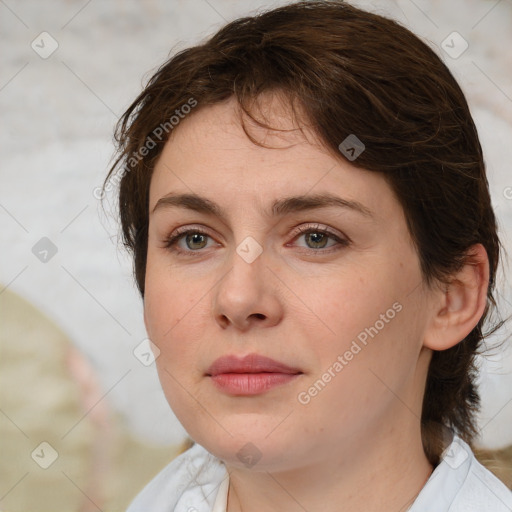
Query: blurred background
point(83, 421)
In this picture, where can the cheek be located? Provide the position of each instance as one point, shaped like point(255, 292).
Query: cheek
point(350, 303)
point(173, 323)
point(165, 296)
point(174, 312)
point(373, 314)
point(164, 304)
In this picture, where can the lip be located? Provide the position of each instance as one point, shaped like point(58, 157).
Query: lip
point(250, 375)
point(252, 363)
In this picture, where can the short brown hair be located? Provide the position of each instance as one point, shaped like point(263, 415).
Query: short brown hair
point(353, 73)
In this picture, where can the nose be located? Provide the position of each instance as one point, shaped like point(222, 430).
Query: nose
point(247, 295)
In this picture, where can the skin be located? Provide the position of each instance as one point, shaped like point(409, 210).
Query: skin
point(301, 303)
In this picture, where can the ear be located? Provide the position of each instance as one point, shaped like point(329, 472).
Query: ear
point(460, 305)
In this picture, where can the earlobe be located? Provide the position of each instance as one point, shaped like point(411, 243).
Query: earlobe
point(461, 303)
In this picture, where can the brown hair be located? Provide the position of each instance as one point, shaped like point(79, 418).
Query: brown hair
point(351, 72)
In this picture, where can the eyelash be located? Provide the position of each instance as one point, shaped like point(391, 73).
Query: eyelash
point(171, 241)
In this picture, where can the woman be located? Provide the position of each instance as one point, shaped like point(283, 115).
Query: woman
point(306, 202)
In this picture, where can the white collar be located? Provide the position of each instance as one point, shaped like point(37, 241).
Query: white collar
point(221, 501)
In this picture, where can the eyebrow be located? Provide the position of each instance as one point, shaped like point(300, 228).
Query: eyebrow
point(280, 207)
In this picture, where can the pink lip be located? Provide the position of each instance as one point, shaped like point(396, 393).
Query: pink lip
point(251, 375)
point(252, 363)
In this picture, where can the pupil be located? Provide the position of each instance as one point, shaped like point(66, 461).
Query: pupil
point(194, 238)
point(317, 238)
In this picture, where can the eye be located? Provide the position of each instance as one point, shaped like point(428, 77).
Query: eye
point(318, 238)
point(194, 240)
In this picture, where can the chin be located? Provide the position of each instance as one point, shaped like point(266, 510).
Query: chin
point(251, 451)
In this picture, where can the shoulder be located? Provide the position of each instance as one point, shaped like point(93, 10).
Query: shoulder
point(188, 482)
point(461, 484)
point(482, 491)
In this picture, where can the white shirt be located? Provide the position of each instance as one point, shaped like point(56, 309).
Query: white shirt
point(221, 501)
point(196, 481)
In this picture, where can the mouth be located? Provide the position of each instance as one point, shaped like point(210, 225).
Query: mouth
point(251, 375)
point(250, 364)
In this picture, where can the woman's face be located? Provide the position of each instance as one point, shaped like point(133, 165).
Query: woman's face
point(347, 310)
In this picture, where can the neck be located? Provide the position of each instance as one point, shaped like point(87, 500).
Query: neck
point(377, 472)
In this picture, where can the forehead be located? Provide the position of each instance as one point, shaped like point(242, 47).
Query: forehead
point(209, 154)
point(272, 109)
